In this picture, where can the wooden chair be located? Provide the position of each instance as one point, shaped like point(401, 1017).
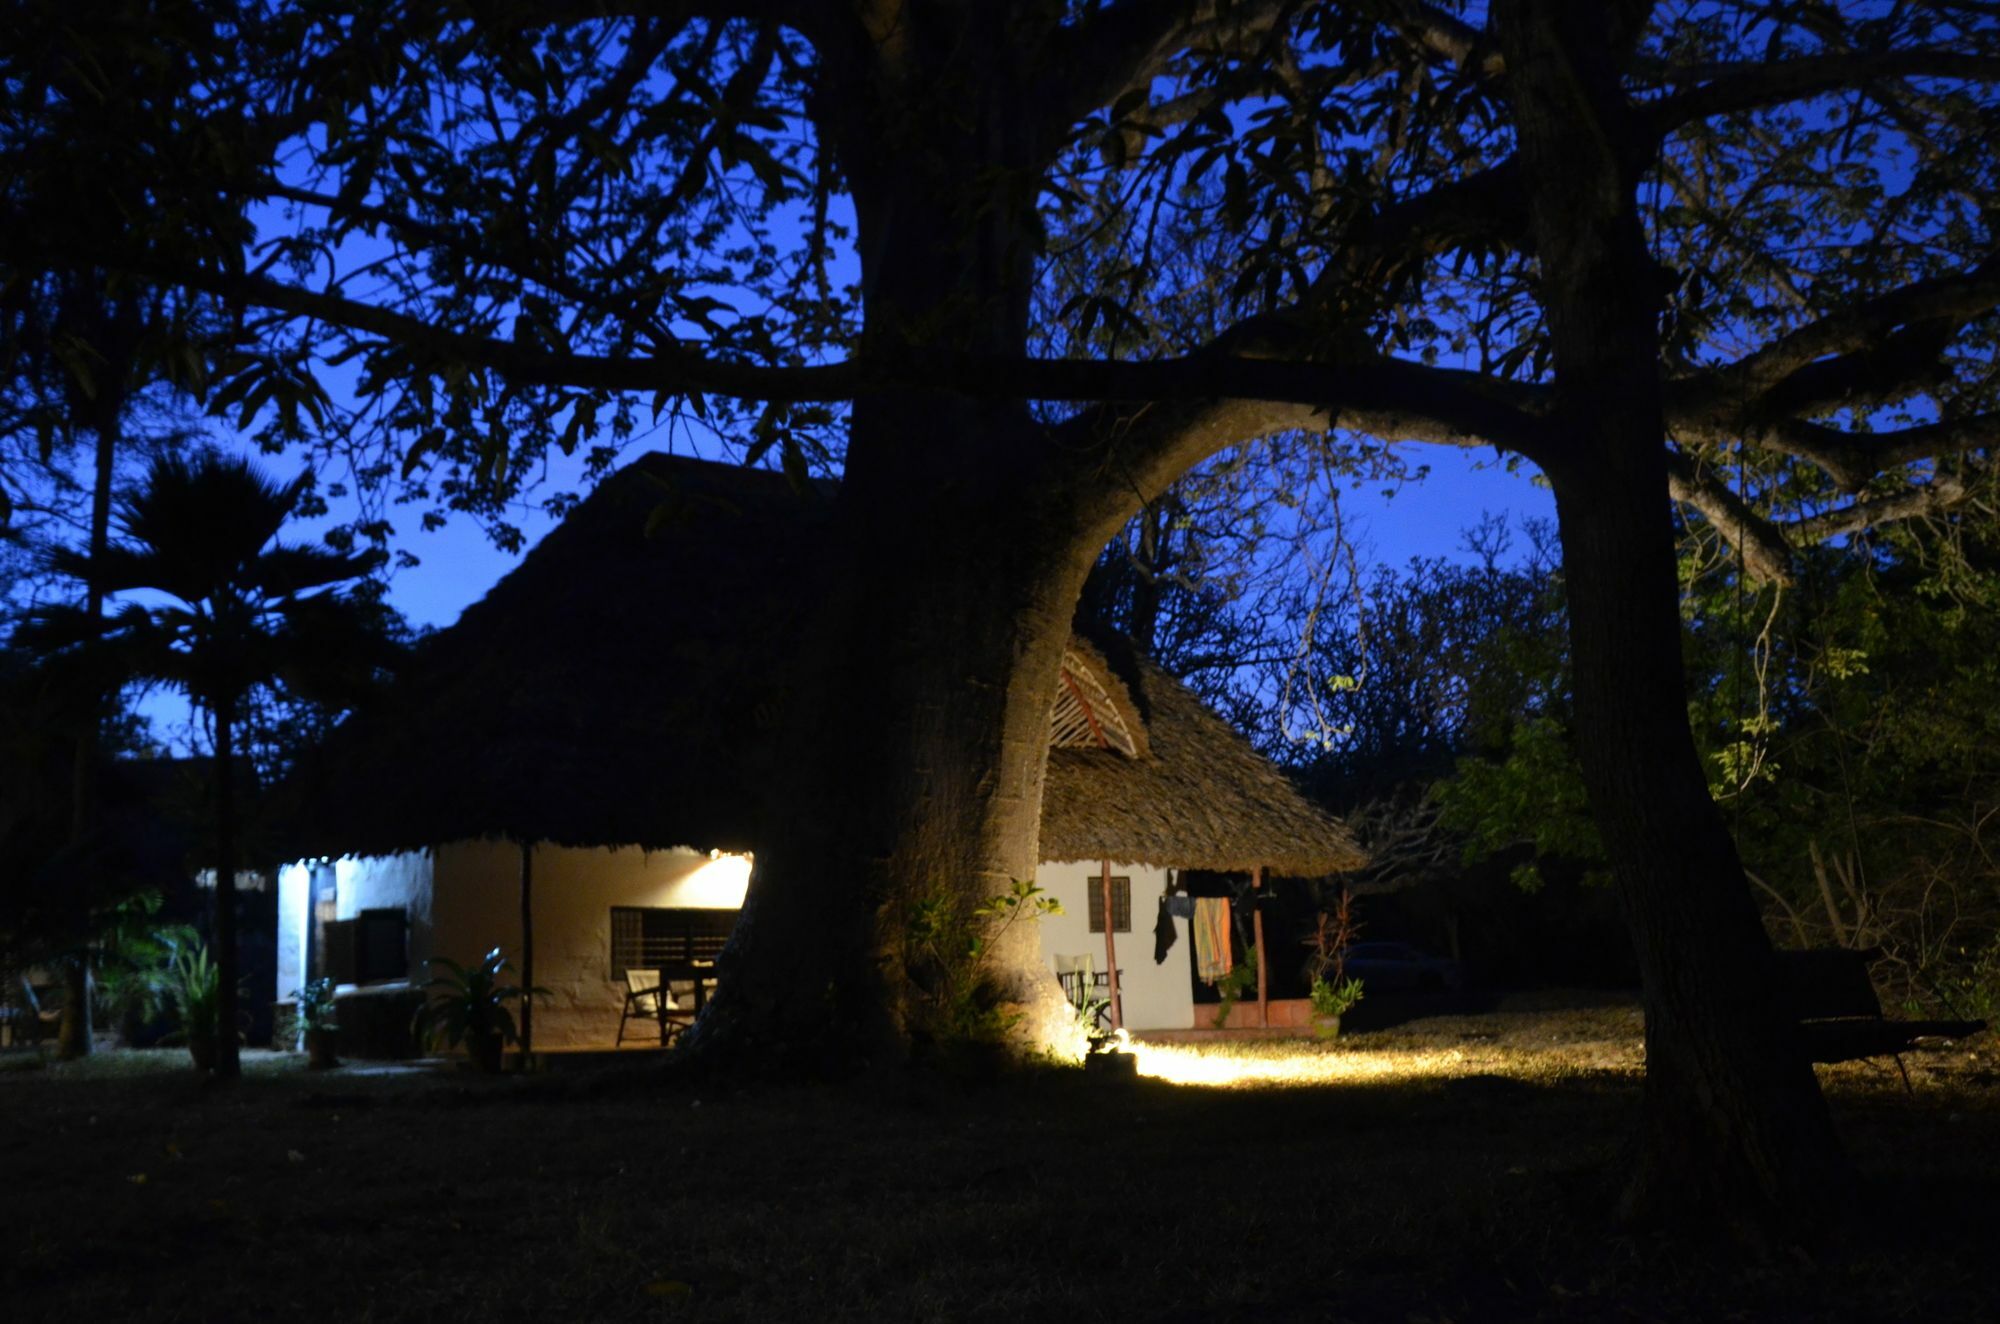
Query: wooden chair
point(644, 998)
point(23, 1018)
point(1827, 990)
point(1082, 984)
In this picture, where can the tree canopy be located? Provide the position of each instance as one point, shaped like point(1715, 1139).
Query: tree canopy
point(525, 229)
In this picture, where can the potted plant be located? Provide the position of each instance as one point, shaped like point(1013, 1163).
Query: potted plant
point(468, 1005)
point(195, 984)
point(1329, 1000)
point(1332, 992)
point(316, 1015)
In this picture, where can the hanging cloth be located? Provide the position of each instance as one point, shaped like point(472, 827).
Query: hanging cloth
point(1213, 954)
point(1164, 934)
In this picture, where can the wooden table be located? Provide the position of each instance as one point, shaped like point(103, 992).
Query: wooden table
point(676, 1019)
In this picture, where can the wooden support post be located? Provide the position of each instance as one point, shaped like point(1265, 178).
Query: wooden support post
point(1257, 936)
point(527, 950)
point(1111, 953)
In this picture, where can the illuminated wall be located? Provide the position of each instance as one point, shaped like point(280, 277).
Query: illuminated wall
point(1156, 997)
point(356, 883)
point(478, 906)
point(465, 899)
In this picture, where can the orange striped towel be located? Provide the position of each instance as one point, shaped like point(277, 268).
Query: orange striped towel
point(1214, 954)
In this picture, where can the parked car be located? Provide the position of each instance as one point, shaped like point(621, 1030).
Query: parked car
point(1394, 967)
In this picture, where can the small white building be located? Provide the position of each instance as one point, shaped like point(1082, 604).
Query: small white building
point(580, 770)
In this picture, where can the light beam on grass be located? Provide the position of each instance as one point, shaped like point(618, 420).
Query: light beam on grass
point(1281, 1064)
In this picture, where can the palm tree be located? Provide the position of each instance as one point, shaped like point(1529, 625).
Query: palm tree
point(241, 610)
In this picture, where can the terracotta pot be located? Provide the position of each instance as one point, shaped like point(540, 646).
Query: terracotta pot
point(319, 1050)
point(1326, 1027)
point(484, 1049)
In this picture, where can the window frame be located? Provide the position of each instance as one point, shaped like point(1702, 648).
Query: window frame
point(1121, 903)
point(707, 928)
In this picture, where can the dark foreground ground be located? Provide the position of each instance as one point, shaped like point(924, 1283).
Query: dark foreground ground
point(1451, 1169)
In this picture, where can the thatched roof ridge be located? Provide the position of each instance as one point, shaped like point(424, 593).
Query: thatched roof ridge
point(1201, 798)
point(1103, 703)
point(624, 688)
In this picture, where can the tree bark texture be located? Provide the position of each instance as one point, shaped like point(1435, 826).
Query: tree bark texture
point(76, 1032)
point(913, 794)
point(227, 1060)
point(914, 791)
point(1736, 1136)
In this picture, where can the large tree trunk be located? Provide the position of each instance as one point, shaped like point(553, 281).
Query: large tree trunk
point(1735, 1134)
point(913, 793)
point(76, 1032)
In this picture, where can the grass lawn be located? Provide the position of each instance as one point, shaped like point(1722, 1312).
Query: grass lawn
point(1455, 1168)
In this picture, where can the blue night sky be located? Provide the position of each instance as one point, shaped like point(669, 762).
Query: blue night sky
point(458, 564)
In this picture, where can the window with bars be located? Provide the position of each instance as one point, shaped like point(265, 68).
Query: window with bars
point(663, 938)
point(1121, 903)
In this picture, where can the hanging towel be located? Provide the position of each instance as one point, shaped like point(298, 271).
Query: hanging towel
point(1213, 954)
point(1180, 907)
point(1164, 934)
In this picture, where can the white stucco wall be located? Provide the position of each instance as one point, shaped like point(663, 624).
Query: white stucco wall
point(294, 884)
point(464, 898)
point(374, 882)
point(477, 907)
point(1156, 997)
point(386, 883)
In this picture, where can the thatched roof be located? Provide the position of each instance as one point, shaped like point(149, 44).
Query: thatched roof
point(1200, 798)
point(618, 688)
point(614, 688)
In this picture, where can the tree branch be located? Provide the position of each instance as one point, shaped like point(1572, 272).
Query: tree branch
point(465, 243)
point(1766, 555)
point(1755, 86)
point(1934, 497)
point(1445, 35)
point(1127, 44)
point(1852, 459)
point(1737, 388)
point(1462, 408)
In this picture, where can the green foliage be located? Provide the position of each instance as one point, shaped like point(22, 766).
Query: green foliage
point(1332, 1000)
point(948, 955)
point(1974, 981)
point(1025, 899)
point(240, 608)
point(195, 985)
point(1533, 795)
point(471, 1004)
point(1242, 977)
point(134, 960)
point(316, 1006)
point(1850, 736)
